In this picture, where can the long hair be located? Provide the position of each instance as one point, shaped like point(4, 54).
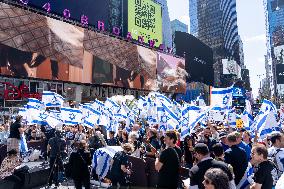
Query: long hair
point(219, 178)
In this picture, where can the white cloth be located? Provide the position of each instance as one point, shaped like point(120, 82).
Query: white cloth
point(279, 157)
point(280, 183)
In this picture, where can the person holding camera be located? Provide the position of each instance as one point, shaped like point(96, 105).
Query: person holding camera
point(55, 149)
point(119, 165)
point(79, 162)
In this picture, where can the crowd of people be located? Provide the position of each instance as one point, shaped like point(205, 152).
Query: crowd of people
point(217, 157)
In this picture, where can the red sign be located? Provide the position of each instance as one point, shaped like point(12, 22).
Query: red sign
point(12, 92)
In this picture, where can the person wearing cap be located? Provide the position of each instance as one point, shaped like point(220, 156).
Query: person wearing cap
point(14, 139)
point(276, 152)
point(205, 162)
point(223, 140)
point(119, 166)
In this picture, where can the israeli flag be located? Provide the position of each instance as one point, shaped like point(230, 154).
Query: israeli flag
point(222, 97)
point(267, 106)
point(71, 116)
point(142, 103)
point(168, 117)
point(102, 159)
point(34, 104)
point(23, 144)
point(231, 118)
point(267, 124)
point(52, 99)
point(247, 179)
point(164, 100)
point(54, 119)
point(188, 112)
point(248, 120)
point(112, 105)
point(92, 118)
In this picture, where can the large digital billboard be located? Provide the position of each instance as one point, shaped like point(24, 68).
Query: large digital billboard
point(198, 58)
point(94, 10)
point(145, 19)
point(36, 46)
point(280, 73)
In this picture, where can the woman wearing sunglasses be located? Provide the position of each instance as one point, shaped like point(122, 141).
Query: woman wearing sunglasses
point(216, 179)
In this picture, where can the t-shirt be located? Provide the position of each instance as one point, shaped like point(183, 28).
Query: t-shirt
point(197, 172)
point(120, 158)
point(266, 174)
point(237, 157)
point(14, 130)
point(247, 149)
point(168, 175)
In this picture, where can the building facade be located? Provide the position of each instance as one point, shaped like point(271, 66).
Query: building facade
point(177, 25)
point(274, 12)
point(214, 22)
point(167, 32)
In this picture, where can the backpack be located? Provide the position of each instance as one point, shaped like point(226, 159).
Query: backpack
point(278, 173)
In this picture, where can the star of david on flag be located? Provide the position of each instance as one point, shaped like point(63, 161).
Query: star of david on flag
point(71, 116)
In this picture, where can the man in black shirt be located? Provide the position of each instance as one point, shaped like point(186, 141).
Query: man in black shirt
point(266, 175)
point(16, 129)
point(168, 163)
point(205, 162)
point(236, 157)
point(119, 166)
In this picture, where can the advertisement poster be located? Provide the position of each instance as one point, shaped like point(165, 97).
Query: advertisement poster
point(36, 46)
point(145, 19)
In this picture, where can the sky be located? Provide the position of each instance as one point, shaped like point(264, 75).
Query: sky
point(251, 23)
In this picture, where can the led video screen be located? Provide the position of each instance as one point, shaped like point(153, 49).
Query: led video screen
point(95, 10)
point(279, 54)
point(36, 46)
point(145, 19)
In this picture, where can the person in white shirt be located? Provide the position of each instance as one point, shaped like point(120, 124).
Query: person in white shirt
point(276, 152)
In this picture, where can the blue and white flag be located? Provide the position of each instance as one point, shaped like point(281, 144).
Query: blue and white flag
point(247, 179)
point(112, 105)
point(52, 99)
point(247, 120)
point(267, 124)
point(102, 159)
point(231, 118)
point(71, 116)
point(35, 104)
point(267, 106)
point(23, 144)
point(222, 97)
point(164, 100)
point(54, 119)
point(168, 117)
point(91, 119)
